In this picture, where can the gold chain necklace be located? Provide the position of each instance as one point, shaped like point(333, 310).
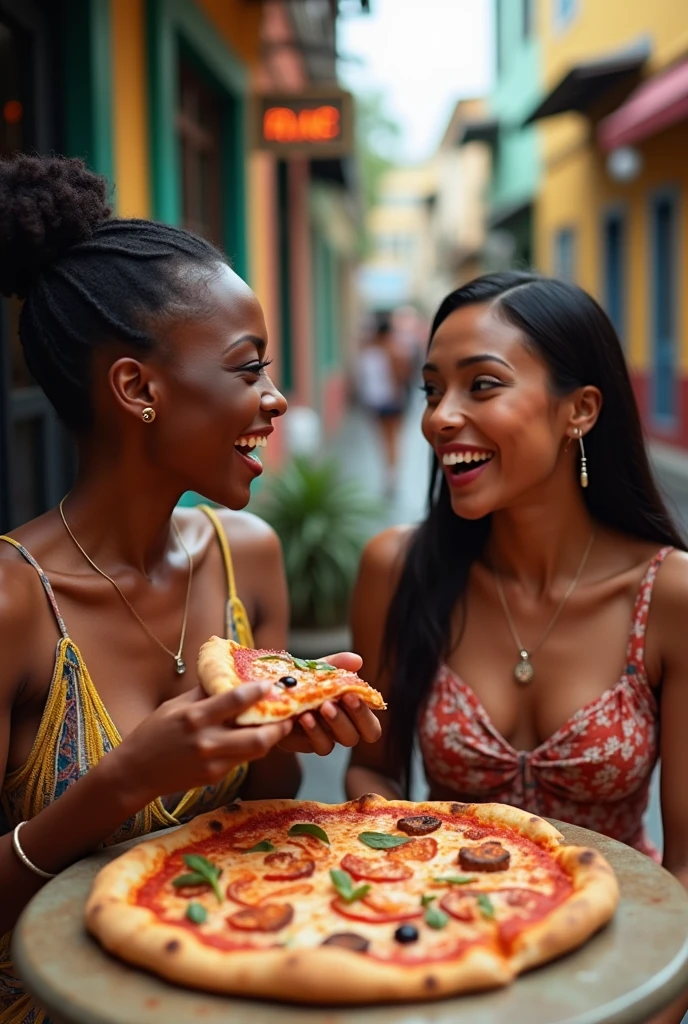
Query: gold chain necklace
point(524, 672)
point(180, 665)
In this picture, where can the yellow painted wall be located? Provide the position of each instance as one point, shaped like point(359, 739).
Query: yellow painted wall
point(239, 24)
point(130, 109)
point(576, 189)
point(604, 25)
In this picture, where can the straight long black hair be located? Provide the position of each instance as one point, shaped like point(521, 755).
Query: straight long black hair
point(566, 328)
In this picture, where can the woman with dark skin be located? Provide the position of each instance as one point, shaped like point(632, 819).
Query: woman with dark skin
point(530, 633)
point(153, 353)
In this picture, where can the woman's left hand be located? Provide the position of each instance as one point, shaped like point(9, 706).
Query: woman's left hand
point(345, 721)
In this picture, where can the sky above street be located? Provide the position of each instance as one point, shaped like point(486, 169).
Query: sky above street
point(424, 55)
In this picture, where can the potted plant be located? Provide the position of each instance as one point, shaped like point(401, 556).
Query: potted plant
point(323, 519)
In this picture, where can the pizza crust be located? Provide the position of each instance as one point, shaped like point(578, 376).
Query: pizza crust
point(331, 974)
point(217, 673)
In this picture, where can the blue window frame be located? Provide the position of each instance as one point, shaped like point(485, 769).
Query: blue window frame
point(614, 269)
point(565, 254)
point(564, 13)
point(663, 304)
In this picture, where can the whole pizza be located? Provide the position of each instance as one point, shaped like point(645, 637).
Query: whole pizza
point(361, 902)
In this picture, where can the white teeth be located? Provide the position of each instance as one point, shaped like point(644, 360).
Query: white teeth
point(253, 441)
point(452, 458)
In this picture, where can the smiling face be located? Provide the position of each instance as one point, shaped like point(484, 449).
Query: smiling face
point(213, 399)
point(492, 418)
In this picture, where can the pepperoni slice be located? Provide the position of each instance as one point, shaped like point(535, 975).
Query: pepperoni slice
point(419, 824)
point(268, 918)
point(363, 911)
point(487, 857)
point(284, 867)
point(375, 871)
point(299, 889)
point(311, 847)
point(190, 892)
point(415, 849)
point(239, 889)
point(460, 905)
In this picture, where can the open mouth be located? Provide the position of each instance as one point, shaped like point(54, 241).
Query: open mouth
point(251, 445)
point(458, 463)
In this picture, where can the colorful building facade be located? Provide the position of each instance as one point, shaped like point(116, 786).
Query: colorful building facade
point(516, 153)
point(612, 208)
point(157, 95)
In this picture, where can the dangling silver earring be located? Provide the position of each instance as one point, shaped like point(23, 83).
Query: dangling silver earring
point(584, 462)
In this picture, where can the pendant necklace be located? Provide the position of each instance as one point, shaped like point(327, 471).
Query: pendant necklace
point(179, 663)
point(524, 673)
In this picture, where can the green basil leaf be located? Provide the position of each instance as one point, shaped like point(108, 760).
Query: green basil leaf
point(196, 912)
point(191, 879)
point(307, 828)
point(344, 884)
point(263, 847)
point(436, 918)
point(486, 905)
point(426, 900)
point(274, 657)
point(455, 879)
point(204, 867)
point(300, 663)
point(382, 840)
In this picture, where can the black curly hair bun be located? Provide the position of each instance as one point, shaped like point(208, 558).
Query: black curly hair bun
point(47, 205)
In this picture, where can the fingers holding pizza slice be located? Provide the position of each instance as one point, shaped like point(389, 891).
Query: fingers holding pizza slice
point(298, 685)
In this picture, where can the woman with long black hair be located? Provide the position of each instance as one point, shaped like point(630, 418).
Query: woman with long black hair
point(530, 635)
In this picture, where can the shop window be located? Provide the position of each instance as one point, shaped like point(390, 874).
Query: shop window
point(663, 303)
point(199, 124)
point(527, 18)
point(564, 13)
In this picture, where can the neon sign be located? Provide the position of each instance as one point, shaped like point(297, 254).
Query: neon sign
point(304, 125)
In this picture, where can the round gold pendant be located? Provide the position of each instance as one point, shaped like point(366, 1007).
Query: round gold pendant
point(524, 671)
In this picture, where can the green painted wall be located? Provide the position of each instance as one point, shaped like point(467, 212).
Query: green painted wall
point(516, 92)
point(88, 83)
point(174, 26)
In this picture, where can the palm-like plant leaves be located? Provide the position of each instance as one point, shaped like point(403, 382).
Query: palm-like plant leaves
point(323, 520)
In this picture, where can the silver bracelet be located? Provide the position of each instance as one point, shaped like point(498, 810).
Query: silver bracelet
point(16, 845)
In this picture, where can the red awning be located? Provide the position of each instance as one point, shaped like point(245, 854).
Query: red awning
point(653, 106)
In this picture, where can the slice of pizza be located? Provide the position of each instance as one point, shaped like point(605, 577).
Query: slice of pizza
point(298, 685)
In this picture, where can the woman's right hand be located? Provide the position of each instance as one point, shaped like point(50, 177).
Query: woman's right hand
point(191, 741)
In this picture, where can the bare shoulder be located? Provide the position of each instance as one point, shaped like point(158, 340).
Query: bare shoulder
point(246, 532)
point(250, 532)
point(670, 593)
point(384, 553)
point(20, 597)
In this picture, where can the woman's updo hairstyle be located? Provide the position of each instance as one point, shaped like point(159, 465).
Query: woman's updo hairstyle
point(87, 277)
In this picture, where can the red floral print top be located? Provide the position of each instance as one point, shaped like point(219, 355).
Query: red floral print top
point(594, 771)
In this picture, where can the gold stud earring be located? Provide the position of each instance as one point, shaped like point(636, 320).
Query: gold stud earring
point(148, 414)
point(584, 462)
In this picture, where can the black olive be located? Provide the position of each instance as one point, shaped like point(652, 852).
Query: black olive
point(406, 933)
point(288, 680)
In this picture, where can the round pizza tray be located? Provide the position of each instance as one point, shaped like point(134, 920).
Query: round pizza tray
point(629, 970)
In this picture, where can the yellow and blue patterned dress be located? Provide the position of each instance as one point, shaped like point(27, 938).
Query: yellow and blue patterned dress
point(75, 732)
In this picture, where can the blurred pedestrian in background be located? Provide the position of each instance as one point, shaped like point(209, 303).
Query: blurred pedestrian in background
point(381, 378)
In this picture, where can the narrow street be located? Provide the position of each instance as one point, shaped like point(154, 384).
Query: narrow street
point(358, 448)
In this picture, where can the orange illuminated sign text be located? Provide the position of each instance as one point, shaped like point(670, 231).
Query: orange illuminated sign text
point(316, 124)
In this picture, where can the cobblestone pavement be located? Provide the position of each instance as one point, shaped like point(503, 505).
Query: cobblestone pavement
point(360, 455)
